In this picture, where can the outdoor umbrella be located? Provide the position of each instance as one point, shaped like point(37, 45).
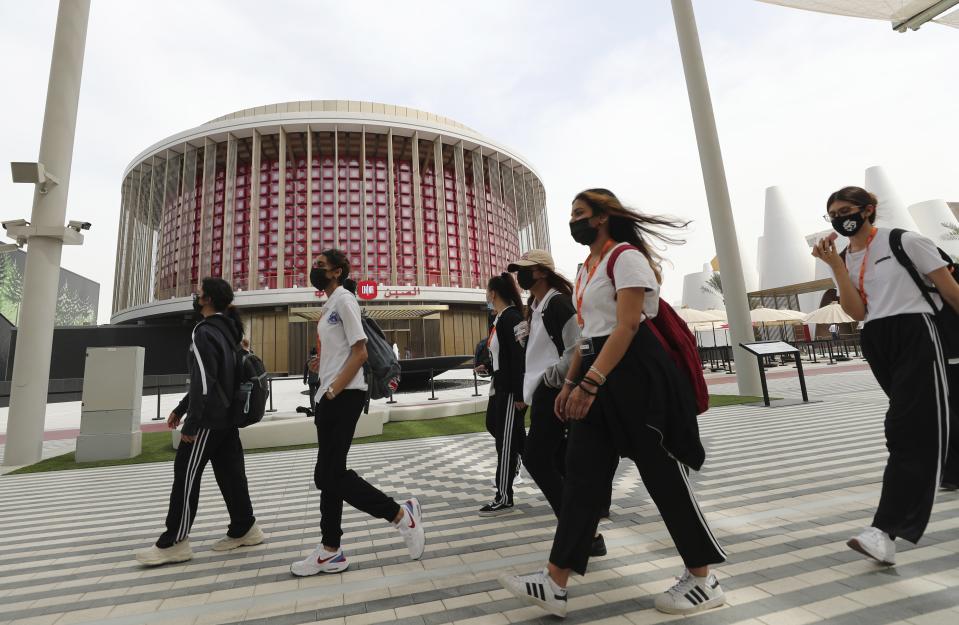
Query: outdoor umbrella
point(833, 313)
point(691, 315)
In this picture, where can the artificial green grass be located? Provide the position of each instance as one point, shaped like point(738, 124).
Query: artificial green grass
point(156, 445)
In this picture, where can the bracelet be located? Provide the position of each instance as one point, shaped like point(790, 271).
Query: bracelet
point(590, 381)
point(569, 382)
point(599, 373)
point(590, 393)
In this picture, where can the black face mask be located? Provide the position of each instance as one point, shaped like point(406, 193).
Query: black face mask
point(583, 232)
point(525, 279)
point(848, 225)
point(197, 306)
point(319, 279)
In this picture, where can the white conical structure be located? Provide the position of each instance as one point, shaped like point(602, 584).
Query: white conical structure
point(694, 294)
point(930, 217)
point(784, 257)
point(891, 211)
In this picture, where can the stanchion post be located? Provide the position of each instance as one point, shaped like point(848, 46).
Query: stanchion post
point(271, 409)
point(432, 386)
point(158, 417)
point(476, 392)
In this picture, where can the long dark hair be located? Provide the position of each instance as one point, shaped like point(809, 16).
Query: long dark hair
point(504, 285)
point(855, 195)
point(337, 259)
point(221, 296)
point(554, 280)
point(627, 225)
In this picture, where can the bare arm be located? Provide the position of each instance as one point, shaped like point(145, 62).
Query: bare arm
point(849, 296)
point(629, 316)
point(947, 286)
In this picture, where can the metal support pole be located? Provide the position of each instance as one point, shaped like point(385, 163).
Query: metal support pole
point(432, 387)
point(391, 400)
point(802, 378)
point(271, 409)
point(158, 417)
point(476, 392)
point(31, 367)
point(717, 194)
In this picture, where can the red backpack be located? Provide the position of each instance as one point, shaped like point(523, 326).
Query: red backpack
point(675, 337)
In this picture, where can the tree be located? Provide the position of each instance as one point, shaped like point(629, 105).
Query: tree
point(11, 287)
point(714, 285)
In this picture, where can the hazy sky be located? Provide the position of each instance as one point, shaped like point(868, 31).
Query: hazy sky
point(592, 94)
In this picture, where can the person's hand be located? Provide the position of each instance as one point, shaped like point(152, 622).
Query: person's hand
point(315, 364)
point(519, 405)
point(173, 421)
point(186, 438)
point(559, 406)
point(825, 251)
point(578, 404)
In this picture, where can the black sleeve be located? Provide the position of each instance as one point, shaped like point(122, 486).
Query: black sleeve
point(558, 311)
point(512, 360)
point(205, 375)
point(183, 406)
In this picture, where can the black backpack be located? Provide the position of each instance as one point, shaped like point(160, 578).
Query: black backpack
point(246, 405)
point(381, 369)
point(947, 319)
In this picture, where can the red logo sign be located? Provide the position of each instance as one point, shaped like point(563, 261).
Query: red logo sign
point(367, 289)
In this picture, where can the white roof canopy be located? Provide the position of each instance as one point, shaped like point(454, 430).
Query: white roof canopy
point(903, 14)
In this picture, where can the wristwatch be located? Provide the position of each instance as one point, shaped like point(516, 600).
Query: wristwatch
point(329, 392)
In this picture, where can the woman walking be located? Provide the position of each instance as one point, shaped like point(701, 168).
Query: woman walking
point(624, 396)
point(340, 401)
point(904, 349)
point(506, 415)
point(553, 335)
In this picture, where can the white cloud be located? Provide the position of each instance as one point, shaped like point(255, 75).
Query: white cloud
point(592, 95)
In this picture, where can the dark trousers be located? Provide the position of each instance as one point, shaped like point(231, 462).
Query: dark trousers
point(224, 450)
point(507, 425)
point(544, 454)
point(314, 387)
point(336, 421)
point(904, 355)
point(591, 461)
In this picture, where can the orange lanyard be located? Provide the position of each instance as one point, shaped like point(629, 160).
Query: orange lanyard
point(862, 268)
point(589, 276)
point(492, 333)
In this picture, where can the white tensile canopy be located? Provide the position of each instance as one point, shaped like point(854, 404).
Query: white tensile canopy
point(691, 316)
point(903, 14)
point(773, 315)
point(832, 313)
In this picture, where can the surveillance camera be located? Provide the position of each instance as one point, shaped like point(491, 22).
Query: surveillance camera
point(16, 223)
point(80, 225)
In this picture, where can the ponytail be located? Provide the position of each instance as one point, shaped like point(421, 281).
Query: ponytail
point(504, 285)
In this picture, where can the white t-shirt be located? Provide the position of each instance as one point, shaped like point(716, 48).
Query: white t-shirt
point(889, 288)
point(632, 270)
point(339, 329)
point(541, 352)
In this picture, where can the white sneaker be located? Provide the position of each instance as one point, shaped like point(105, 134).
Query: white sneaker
point(518, 478)
point(876, 544)
point(254, 536)
point(411, 528)
point(320, 561)
point(539, 590)
point(691, 594)
point(154, 556)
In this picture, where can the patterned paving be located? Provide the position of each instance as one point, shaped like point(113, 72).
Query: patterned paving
point(782, 487)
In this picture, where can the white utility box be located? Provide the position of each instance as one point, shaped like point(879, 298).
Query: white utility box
point(112, 396)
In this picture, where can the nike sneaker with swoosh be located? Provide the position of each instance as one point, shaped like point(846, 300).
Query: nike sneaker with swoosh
point(320, 561)
point(411, 528)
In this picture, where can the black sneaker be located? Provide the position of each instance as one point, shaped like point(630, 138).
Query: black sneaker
point(495, 509)
point(949, 486)
point(599, 547)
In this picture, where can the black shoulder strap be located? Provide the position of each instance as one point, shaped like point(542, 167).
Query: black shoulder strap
point(237, 348)
point(895, 244)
